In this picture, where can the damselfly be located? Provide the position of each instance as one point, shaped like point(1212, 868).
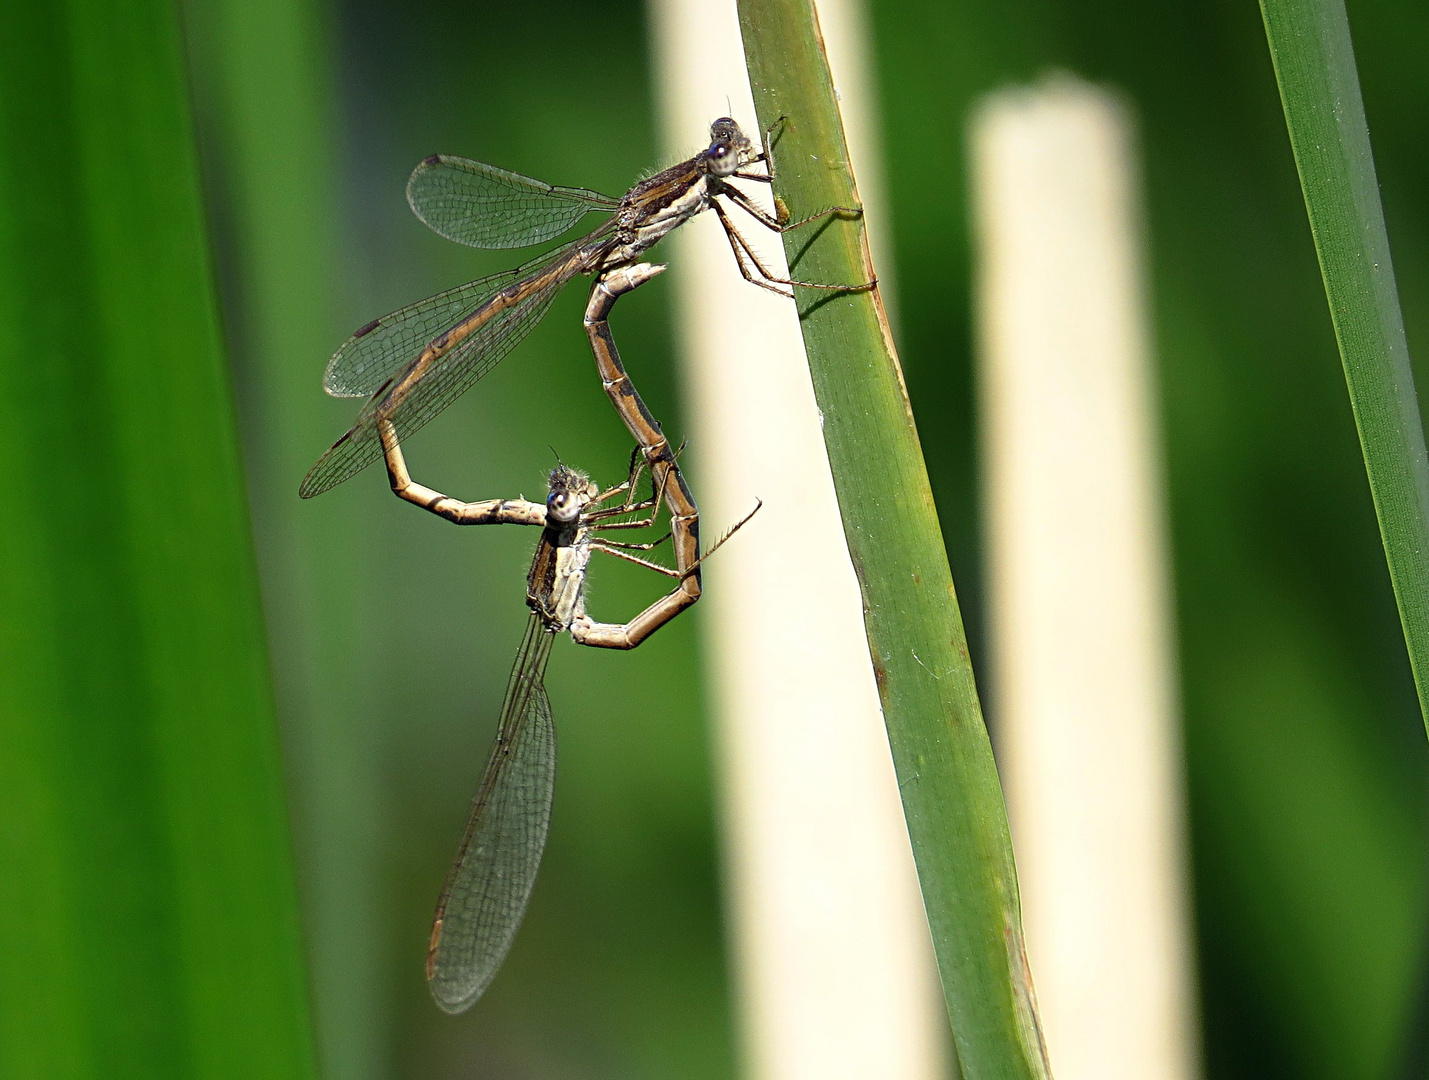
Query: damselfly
point(490, 882)
point(413, 363)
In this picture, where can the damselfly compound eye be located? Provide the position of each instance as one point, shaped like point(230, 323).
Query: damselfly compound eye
point(723, 161)
point(562, 507)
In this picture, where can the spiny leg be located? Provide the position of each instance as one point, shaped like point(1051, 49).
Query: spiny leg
point(624, 545)
point(741, 523)
point(635, 523)
point(771, 222)
point(766, 146)
point(742, 251)
point(622, 553)
point(766, 158)
point(488, 512)
point(628, 486)
point(780, 222)
point(628, 635)
point(629, 507)
point(738, 243)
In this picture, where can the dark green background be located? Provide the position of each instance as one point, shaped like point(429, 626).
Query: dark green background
point(1305, 750)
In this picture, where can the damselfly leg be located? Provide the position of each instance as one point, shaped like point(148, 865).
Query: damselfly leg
point(777, 222)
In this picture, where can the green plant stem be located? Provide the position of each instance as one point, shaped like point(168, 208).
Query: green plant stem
point(951, 796)
point(1319, 88)
point(147, 912)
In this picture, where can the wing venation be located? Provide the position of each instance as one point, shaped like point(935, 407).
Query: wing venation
point(490, 882)
point(482, 206)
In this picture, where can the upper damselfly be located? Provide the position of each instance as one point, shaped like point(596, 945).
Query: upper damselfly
point(415, 362)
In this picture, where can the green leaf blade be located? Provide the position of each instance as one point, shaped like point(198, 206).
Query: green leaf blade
point(1319, 88)
point(149, 913)
point(951, 795)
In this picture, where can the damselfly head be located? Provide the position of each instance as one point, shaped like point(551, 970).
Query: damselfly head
point(569, 493)
point(729, 148)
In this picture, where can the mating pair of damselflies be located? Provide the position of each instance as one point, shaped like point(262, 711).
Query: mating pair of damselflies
point(415, 362)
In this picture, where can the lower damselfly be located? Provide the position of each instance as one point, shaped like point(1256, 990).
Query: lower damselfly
point(490, 881)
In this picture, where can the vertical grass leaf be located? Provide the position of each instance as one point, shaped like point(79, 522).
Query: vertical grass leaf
point(263, 89)
point(1319, 88)
point(951, 796)
point(147, 912)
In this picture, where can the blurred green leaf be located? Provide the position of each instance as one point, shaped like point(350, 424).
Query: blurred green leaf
point(147, 913)
point(1319, 87)
point(262, 87)
point(951, 795)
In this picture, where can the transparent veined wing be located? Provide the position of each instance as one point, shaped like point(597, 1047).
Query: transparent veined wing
point(415, 372)
point(486, 207)
point(490, 882)
point(379, 350)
